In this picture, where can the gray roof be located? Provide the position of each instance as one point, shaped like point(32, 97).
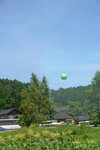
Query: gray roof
point(61, 108)
point(7, 111)
point(62, 116)
point(82, 117)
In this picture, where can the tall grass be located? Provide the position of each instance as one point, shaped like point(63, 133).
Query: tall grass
point(68, 137)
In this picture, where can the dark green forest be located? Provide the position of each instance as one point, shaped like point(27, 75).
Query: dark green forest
point(10, 94)
point(63, 96)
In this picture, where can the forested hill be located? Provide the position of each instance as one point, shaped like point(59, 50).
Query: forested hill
point(63, 96)
point(10, 93)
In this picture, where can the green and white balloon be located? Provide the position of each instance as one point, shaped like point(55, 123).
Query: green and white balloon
point(64, 76)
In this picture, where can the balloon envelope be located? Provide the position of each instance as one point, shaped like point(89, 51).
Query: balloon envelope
point(63, 76)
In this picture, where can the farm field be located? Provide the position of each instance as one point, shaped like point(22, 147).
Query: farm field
point(68, 137)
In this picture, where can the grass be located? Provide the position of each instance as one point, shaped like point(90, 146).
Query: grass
point(68, 137)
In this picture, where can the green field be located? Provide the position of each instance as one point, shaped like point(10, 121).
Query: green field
point(68, 137)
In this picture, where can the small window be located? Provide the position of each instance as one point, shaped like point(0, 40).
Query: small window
point(10, 117)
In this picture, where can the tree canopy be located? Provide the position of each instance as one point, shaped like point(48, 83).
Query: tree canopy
point(10, 93)
point(62, 96)
point(36, 104)
point(93, 99)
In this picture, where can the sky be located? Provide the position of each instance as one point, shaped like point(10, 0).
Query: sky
point(48, 37)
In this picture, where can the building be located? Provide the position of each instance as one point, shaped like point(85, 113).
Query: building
point(12, 113)
point(62, 109)
point(63, 117)
point(62, 114)
point(82, 119)
point(9, 117)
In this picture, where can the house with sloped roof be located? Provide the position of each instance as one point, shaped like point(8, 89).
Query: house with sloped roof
point(62, 109)
point(9, 116)
point(63, 117)
point(62, 114)
point(12, 113)
point(82, 119)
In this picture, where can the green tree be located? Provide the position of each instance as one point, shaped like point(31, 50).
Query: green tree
point(46, 100)
point(36, 102)
point(75, 108)
point(10, 93)
point(93, 99)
